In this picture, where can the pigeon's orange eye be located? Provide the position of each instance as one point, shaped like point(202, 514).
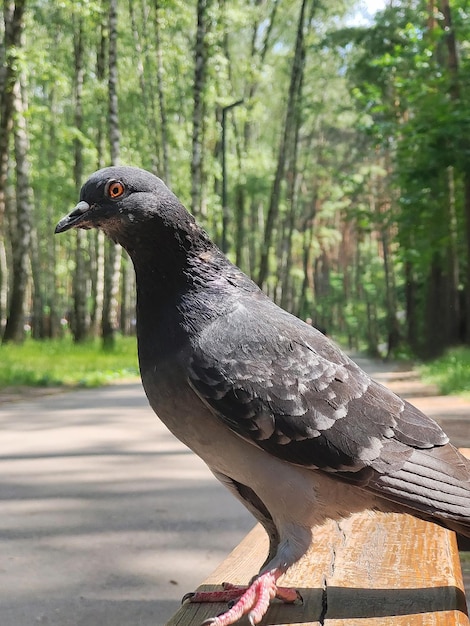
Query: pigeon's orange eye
point(114, 189)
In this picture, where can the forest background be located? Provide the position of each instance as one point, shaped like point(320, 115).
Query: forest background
point(328, 156)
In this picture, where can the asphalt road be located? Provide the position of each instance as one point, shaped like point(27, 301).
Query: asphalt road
point(106, 519)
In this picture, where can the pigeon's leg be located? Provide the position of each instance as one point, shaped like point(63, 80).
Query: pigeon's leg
point(253, 601)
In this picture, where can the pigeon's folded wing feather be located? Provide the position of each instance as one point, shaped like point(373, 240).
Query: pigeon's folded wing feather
point(290, 391)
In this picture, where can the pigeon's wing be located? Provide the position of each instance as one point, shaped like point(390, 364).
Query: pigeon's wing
point(285, 387)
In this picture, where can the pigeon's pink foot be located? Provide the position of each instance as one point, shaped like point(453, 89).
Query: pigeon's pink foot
point(252, 601)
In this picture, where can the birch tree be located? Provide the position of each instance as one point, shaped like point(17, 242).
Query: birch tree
point(113, 251)
point(14, 329)
point(80, 321)
point(287, 138)
point(200, 74)
point(13, 19)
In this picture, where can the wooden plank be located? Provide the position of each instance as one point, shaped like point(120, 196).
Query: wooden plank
point(407, 571)
point(372, 569)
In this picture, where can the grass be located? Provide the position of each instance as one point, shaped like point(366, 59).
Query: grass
point(450, 372)
point(62, 363)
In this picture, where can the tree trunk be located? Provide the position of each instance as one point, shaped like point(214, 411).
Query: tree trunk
point(240, 246)
point(111, 289)
point(48, 300)
point(3, 285)
point(98, 283)
point(256, 62)
point(99, 238)
point(412, 332)
point(290, 220)
point(146, 84)
point(308, 282)
point(455, 94)
point(220, 153)
point(13, 16)
point(289, 127)
point(38, 326)
point(257, 59)
point(127, 324)
point(452, 56)
point(113, 106)
point(81, 322)
point(161, 98)
point(101, 69)
point(467, 238)
point(453, 264)
point(393, 330)
point(14, 329)
point(200, 67)
point(113, 256)
point(435, 331)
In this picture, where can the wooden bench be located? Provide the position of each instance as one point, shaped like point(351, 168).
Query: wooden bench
point(374, 569)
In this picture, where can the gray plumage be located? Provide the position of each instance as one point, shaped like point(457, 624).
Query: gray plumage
point(282, 417)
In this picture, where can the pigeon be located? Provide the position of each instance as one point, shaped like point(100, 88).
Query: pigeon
point(282, 417)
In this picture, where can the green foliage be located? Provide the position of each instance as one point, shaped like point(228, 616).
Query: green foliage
point(63, 363)
point(450, 372)
point(417, 105)
point(365, 206)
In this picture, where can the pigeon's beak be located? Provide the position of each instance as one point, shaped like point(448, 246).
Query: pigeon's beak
point(75, 218)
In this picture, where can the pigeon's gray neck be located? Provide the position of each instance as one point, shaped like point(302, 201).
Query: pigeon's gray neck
point(180, 287)
point(170, 262)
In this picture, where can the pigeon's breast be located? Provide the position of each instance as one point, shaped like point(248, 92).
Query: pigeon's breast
point(183, 412)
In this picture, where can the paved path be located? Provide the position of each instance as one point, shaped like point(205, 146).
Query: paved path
point(107, 519)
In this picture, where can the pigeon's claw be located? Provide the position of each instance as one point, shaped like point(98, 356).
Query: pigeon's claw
point(253, 601)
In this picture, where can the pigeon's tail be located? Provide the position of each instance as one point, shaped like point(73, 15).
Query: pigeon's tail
point(434, 483)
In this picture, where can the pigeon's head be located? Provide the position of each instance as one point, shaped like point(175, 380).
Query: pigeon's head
point(122, 201)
